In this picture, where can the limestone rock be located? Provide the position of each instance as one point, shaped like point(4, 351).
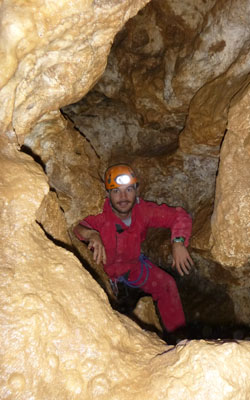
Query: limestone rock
point(208, 114)
point(178, 179)
point(53, 53)
point(51, 218)
point(215, 48)
point(145, 312)
point(115, 131)
point(185, 41)
point(96, 270)
point(147, 56)
point(46, 301)
point(71, 165)
point(59, 337)
point(230, 221)
point(156, 56)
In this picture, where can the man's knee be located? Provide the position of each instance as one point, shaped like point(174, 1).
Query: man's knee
point(166, 283)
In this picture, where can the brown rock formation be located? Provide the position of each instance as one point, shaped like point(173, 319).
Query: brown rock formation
point(77, 184)
point(175, 67)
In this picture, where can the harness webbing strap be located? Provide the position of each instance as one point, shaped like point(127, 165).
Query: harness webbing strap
point(144, 267)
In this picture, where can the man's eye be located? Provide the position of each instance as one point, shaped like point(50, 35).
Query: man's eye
point(130, 189)
point(115, 191)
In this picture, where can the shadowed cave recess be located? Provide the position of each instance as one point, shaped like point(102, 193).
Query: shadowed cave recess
point(171, 103)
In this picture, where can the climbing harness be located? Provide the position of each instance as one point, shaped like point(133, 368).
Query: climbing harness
point(114, 286)
point(133, 284)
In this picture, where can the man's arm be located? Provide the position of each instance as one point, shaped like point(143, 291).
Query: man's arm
point(94, 242)
point(180, 224)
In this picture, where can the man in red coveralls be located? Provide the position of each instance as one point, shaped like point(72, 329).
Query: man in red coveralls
point(116, 234)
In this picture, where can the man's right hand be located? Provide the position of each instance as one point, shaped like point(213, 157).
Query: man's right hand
point(95, 243)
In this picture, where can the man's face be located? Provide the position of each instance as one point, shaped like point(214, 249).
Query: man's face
point(123, 198)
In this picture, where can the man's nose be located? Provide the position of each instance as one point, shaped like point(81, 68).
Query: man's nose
point(123, 195)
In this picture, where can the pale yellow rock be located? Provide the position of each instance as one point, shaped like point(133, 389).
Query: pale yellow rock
point(63, 341)
point(230, 220)
point(96, 270)
point(145, 312)
point(208, 114)
point(52, 53)
point(215, 49)
point(71, 166)
point(60, 339)
point(44, 291)
point(51, 217)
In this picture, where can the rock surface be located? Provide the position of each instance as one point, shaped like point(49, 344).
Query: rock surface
point(230, 221)
point(70, 164)
point(171, 76)
point(59, 337)
point(52, 219)
point(176, 62)
point(53, 53)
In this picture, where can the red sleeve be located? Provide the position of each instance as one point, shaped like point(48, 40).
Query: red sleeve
point(176, 219)
point(92, 222)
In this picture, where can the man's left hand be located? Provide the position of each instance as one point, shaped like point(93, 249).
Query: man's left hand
point(181, 259)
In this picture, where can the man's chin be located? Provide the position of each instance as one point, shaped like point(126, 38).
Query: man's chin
point(123, 210)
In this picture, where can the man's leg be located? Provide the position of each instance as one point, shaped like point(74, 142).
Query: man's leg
point(164, 291)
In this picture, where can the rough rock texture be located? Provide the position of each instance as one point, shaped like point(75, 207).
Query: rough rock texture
point(50, 348)
point(60, 339)
point(151, 71)
point(147, 59)
point(172, 74)
point(52, 54)
point(70, 163)
point(112, 127)
point(230, 221)
point(52, 219)
point(145, 312)
point(167, 54)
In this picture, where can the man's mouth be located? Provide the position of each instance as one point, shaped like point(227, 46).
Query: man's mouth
point(123, 203)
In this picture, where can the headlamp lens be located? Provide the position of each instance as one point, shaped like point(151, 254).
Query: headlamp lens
point(122, 179)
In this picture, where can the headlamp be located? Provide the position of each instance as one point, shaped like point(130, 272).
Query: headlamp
point(119, 175)
point(122, 179)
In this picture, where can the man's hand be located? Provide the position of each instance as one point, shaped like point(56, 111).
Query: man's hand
point(95, 243)
point(181, 258)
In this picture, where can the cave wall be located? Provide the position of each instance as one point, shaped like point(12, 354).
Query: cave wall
point(163, 104)
point(60, 338)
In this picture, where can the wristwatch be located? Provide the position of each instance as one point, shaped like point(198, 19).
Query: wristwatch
point(178, 239)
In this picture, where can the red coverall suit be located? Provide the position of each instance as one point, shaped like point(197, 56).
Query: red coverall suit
point(123, 248)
